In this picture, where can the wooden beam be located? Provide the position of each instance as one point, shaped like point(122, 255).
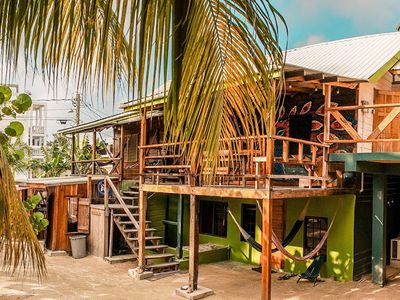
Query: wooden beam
point(73, 149)
point(295, 74)
point(241, 193)
point(194, 243)
point(346, 125)
point(122, 153)
point(357, 107)
point(385, 122)
point(94, 152)
point(266, 243)
point(327, 125)
point(315, 76)
point(330, 79)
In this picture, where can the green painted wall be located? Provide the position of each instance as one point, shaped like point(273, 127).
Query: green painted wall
point(240, 251)
point(340, 243)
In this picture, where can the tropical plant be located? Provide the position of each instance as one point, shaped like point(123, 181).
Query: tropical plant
point(10, 108)
point(19, 246)
point(37, 218)
point(56, 158)
point(222, 57)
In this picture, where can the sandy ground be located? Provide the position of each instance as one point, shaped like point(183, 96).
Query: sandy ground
point(91, 278)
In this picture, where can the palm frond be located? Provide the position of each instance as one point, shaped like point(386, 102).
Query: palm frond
point(19, 247)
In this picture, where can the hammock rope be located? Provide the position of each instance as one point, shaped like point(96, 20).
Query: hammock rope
point(280, 246)
point(286, 241)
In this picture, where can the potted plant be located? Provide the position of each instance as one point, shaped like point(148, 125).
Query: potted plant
point(37, 218)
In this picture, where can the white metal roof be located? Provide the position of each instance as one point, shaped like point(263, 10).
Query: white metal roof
point(358, 58)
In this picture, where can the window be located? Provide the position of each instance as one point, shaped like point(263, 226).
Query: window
point(314, 230)
point(249, 219)
point(300, 128)
point(131, 148)
point(213, 218)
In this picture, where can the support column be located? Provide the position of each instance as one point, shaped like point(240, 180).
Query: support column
point(379, 229)
point(179, 228)
point(94, 153)
point(327, 89)
point(122, 153)
point(266, 249)
point(194, 244)
point(73, 155)
point(142, 195)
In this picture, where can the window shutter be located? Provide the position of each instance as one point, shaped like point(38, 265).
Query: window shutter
point(83, 215)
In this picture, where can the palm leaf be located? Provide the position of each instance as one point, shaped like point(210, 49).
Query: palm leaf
point(19, 247)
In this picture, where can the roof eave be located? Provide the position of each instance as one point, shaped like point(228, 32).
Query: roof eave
point(384, 69)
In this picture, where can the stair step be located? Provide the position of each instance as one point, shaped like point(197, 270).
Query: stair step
point(134, 188)
point(125, 215)
point(148, 238)
point(159, 256)
point(167, 265)
point(135, 230)
point(119, 206)
point(129, 197)
point(154, 247)
point(130, 223)
point(133, 193)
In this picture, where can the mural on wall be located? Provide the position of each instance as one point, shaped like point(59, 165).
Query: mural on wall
point(313, 104)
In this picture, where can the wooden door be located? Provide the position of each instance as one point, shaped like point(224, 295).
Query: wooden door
point(392, 131)
point(83, 215)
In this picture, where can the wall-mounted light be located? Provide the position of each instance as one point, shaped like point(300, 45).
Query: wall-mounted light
point(363, 103)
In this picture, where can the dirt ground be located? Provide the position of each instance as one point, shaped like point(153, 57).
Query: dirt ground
point(91, 278)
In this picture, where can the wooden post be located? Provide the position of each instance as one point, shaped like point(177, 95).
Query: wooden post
point(110, 248)
point(267, 212)
point(179, 228)
point(193, 244)
point(266, 248)
point(122, 153)
point(327, 126)
point(73, 155)
point(142, 196)
point(94, 153)
point(106, 217)
point(89, 188)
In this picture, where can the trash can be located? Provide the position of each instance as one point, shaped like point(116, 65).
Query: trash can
point(78, 246)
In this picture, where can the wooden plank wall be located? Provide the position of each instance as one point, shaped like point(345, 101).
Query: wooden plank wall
point(392, 130)
point(57, 238)
point(278, 225)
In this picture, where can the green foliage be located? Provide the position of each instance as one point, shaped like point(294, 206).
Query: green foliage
point(38, 221)
point(56, 158)
point(10, 135)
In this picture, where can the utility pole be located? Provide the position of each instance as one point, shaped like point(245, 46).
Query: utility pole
point(77, 104)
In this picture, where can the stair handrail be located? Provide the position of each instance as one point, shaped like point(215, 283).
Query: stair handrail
point(121, 201)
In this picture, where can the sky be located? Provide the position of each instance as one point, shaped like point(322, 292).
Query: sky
point(309, 22)
point(315, 21)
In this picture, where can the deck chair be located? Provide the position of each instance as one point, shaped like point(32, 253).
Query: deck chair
point(313, 270)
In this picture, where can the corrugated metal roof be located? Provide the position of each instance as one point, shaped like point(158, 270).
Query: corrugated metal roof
point(118, 119)
point(358, 58)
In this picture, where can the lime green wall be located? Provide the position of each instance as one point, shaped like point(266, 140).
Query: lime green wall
point(340, 243)
point(240, 251)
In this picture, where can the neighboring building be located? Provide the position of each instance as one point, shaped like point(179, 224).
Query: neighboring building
point(36, 129)
point(336, 152)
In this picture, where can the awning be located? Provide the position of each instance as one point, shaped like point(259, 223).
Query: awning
point(119, 119)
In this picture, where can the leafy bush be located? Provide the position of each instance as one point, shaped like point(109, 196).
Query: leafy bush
point(37, 218)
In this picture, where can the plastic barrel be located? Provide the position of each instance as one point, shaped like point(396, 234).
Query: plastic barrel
point(78, 246)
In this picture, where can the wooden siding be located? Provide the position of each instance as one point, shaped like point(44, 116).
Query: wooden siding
point(57, 238)
point(366, 118)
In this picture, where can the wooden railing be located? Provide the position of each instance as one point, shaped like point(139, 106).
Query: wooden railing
point(244, 165)
point(96, 166)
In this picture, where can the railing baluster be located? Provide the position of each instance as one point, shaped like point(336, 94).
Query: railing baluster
point(285, 154)
point(300, 153)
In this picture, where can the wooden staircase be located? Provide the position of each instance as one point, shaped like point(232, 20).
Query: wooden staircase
point(156, 258)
